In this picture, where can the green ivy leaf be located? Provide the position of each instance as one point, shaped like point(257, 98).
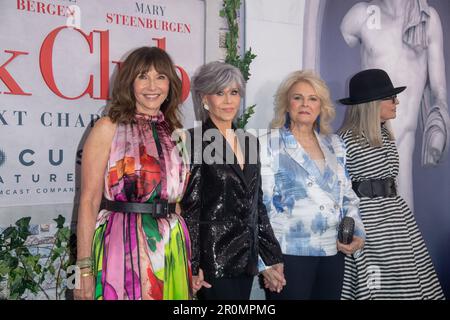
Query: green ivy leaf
point(243, 119)
point(59, 251)
point(29, 261)
point(13, 295)
point(54, 256)
point(51, 269)
point(63, 234)
point(38, 269)
point(4, 268)
point(230, 12)
point(32, 286)
point(16, 283)
point(23, 223)
point(60, 221)
point(11, 262)
point(9, 233)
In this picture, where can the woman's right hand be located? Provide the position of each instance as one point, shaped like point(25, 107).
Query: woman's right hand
point(356, 244)
point(86, 290)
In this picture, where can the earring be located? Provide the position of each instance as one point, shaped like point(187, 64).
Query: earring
point(287, 122)
point(206, 106)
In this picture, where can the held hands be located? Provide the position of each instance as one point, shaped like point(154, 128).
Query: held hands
point(274, 278)
point(356, 244)
point(198, 282)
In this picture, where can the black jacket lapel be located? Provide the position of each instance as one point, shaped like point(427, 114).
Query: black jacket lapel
point(226, 151)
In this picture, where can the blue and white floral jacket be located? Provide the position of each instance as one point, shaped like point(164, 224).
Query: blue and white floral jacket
point(305, 205)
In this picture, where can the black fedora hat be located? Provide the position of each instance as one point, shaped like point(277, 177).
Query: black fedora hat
point(370, 85)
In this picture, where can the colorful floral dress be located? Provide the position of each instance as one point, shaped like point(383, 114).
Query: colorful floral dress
point(135, 255)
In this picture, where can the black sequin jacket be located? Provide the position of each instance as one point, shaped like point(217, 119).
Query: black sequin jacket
point(224, 210)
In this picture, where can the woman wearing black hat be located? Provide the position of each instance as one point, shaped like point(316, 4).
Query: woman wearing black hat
point(395, 263)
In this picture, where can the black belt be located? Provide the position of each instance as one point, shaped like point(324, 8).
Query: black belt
point(158, 208)
point(375, 188)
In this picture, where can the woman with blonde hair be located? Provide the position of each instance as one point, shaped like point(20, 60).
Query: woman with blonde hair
point(395, 263)
point(307, 191)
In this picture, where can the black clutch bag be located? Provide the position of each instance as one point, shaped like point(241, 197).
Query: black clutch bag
point(346, 229)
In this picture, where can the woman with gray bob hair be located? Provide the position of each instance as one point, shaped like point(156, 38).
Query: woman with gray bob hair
point(212, 78)
point(226, 217)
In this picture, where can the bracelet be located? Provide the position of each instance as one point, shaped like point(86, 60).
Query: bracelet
point(87, 274)
point(84, 263)
point(85, 259)
point(85, 267)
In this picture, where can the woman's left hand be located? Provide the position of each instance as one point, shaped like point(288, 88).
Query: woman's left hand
point(356, 244)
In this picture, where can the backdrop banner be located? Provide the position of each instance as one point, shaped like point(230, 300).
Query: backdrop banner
point(57, 59)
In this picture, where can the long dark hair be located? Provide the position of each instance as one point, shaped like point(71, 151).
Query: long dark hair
point(123, 103)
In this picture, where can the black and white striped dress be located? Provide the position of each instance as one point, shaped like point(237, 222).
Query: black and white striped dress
point(395, 263)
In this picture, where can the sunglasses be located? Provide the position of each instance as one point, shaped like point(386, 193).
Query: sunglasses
point(391, 98)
